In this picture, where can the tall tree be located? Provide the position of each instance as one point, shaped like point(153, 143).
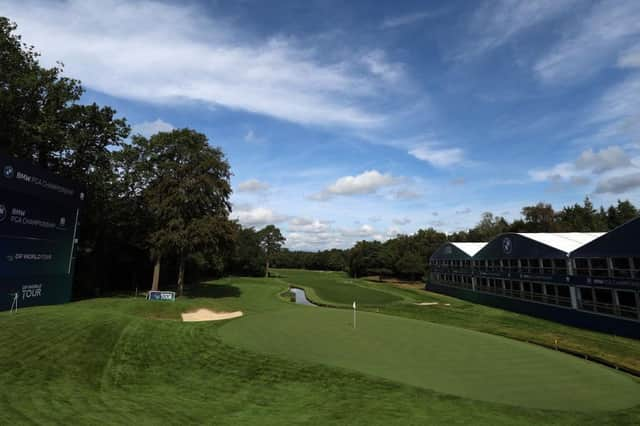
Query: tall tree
point(271, 241)
point(539, 218)
point(187, 192)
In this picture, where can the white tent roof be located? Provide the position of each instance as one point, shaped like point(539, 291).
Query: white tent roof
point(470, 248)
point(565, 241)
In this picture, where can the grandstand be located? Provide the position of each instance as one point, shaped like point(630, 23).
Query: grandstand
point(590, 280)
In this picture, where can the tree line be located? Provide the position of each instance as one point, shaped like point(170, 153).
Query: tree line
point(156, 210)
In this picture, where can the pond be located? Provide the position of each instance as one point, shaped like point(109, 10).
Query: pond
point(301, 297)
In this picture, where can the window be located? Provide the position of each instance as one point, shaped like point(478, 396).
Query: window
point(628, 303)
point(526, 290)
point(537, 291)
point(586, 298)
point(599, 267)
point(582, 267)
point(621, 267)
point(604, 300)
point(513, 264)
point(564, 295)
point(534, 266)
point(560, 266)
point(550, 296)
point(547, 268)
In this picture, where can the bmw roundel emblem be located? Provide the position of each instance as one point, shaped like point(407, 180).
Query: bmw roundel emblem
point(507, 245)
point(8, 171)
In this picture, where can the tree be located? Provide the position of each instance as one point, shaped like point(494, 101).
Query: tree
point(271, 241)
point(410, 265)
point(187, 192)
point(539, 218)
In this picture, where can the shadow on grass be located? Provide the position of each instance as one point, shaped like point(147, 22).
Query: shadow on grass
point(205, 289)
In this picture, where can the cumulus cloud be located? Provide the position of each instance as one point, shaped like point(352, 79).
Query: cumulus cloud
point(593, 44)
point(315, 226)
point(610, 158)
point(436, 156)
point(619, 184)
point(257, 216)
point(166, 53)
point(612, 167)
point(150, 128)
point(367, 182)
point(253, 185)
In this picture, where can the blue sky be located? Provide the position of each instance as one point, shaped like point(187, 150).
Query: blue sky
point(360, 120)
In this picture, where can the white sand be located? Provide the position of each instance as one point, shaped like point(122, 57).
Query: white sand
point(207, 315)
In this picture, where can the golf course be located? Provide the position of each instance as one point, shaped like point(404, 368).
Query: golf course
point(413, 357)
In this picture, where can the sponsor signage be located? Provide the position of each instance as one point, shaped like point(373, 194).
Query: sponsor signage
point(162, 295)
point(38, 230)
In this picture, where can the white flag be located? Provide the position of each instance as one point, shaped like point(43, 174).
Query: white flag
point(354, 305)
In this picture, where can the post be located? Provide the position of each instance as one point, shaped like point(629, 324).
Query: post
point(354, 314)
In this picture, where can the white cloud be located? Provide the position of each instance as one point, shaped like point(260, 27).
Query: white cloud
point(304, 225)
point(168, 53)
point(497, 22)
point(438, 157)
point(253, 185)
point(593, 44)
point(610, 158)
point(150, 128)
point(367, 182)
point(409, 18)
point(258, 216)
point(401, 221)
point(619, 184)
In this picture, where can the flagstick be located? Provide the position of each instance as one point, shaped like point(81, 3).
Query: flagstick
point(354, 315)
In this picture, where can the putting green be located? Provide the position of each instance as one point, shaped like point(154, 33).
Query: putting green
point(442, 358)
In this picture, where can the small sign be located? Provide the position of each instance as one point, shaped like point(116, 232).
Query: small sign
point(162, 295)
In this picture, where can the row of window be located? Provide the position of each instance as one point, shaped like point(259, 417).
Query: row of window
point(545, 293)
point(608, 301)
point(617, 267)
point(616, 302)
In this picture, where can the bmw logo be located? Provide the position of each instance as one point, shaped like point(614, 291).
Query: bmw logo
point(3, 212)
point(507, 245)
point(8, 171)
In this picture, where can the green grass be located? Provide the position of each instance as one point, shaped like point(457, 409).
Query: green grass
point(329, 288)
point(446, 359)
point(126, 360)
point(617, 350)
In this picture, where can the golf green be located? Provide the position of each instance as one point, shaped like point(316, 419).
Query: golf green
point(446, 359)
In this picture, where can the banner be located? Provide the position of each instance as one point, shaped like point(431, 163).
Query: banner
point(38, 229)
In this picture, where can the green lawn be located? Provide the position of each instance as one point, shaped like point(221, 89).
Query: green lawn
point(618, 350)
point(329, 288)
point(125, 360)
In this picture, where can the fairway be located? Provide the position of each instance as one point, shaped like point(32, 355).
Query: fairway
point(442, 358)
point(335, 288)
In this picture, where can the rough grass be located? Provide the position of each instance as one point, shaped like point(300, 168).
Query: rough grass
point(129, 361)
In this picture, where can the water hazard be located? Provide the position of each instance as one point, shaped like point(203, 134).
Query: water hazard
point(301, 297)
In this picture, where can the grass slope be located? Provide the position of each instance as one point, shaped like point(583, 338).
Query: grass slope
point(125, 360)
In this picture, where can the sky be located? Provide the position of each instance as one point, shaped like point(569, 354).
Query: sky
point(355, 120)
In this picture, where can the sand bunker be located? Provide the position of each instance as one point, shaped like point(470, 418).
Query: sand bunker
point(207, 315)
point(432, 303)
